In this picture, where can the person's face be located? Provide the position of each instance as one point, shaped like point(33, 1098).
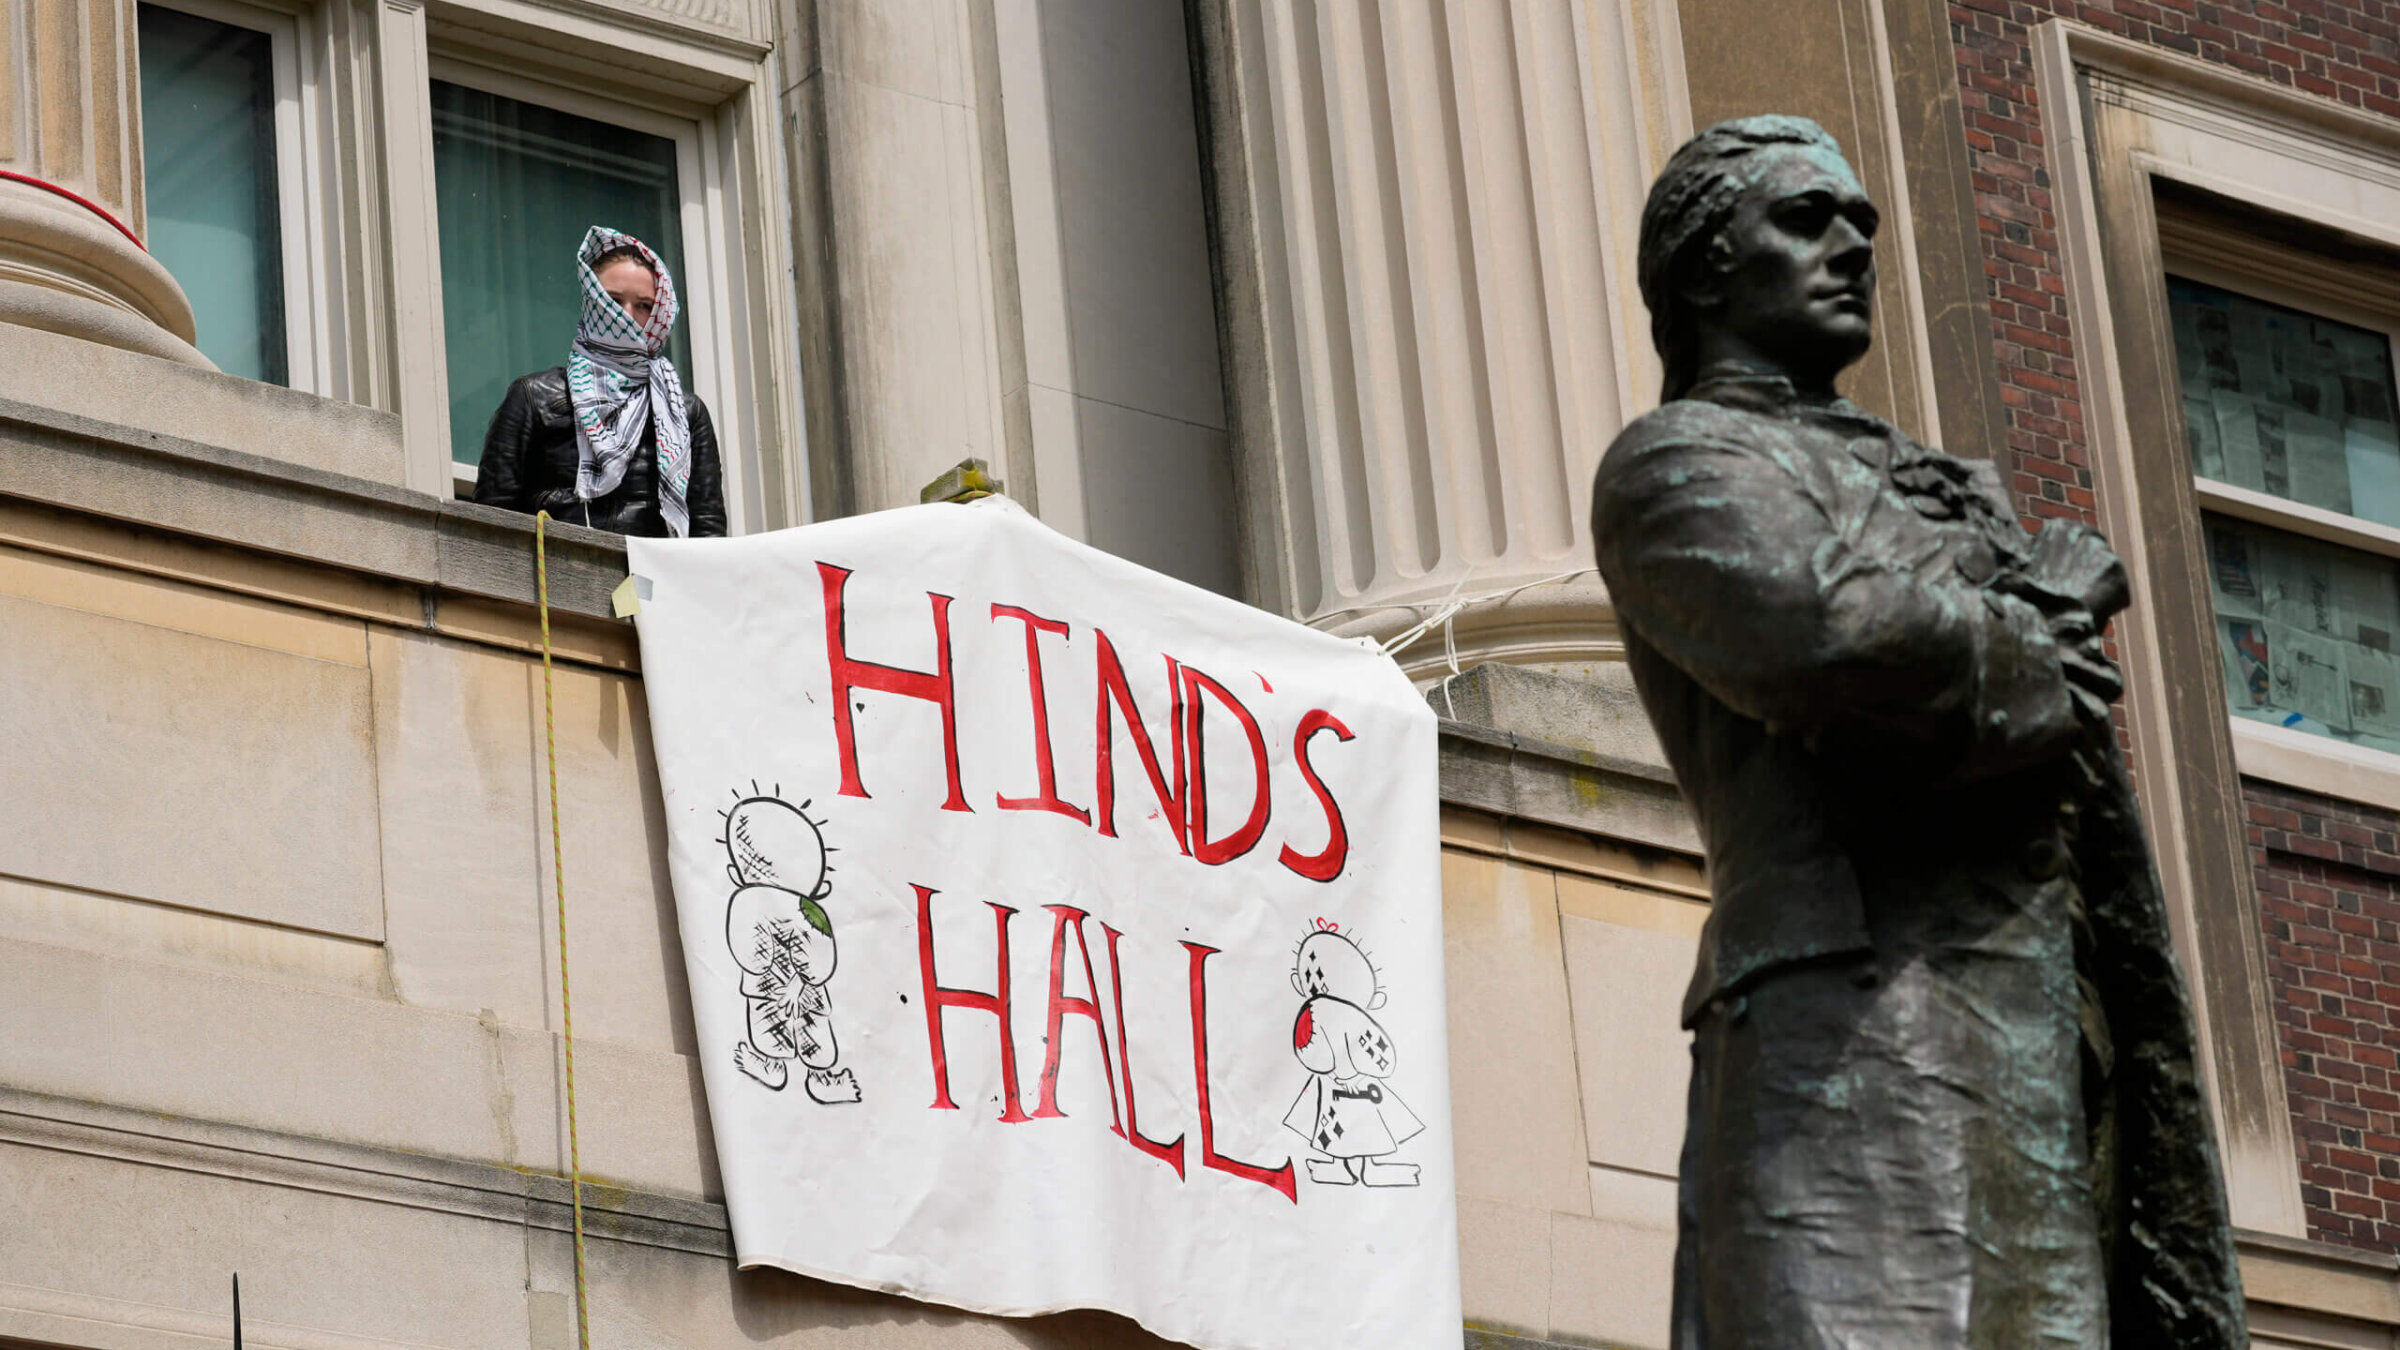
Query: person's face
point(1797, 285)
point(631, 285)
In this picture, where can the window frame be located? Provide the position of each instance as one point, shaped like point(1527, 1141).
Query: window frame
point(726, 78)
point(300, 176)
point(2123, 120)
point(2219, 255)
point(704, 287)
point(707, 287)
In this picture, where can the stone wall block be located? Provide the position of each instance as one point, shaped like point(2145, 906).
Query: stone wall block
point(456, 734)
point(1514, 1108)
point(1633, 1055)
point(207, 772)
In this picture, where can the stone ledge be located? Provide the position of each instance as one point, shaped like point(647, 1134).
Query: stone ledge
point(82, 464)
point(2302, 1293)
point(147, 392)
point(2320, 1278)
point(2316, 1280)
point(1515, 776)
point(384, 1176)
point(1592, 707)
point(1480, 1339)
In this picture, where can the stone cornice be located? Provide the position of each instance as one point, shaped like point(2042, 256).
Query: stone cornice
point(231, 497)
point(382, 1176)
point(1519, 777)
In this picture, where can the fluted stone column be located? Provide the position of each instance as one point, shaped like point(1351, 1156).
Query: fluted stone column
point(1429, 212)
point(71, 182)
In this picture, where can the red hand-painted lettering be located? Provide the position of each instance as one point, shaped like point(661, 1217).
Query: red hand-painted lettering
point(939, 997)
point(1169, 1153)
point(1278, 1179)
point(1061, 1003)
point(1217, 852)
point(850, 673)
point(1114, 692)
point(1045, 768)
point(1325, 864)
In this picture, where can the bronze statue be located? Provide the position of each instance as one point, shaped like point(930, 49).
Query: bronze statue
point(1943, 1090)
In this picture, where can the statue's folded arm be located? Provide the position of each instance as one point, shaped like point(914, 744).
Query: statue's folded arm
point(1785, 594)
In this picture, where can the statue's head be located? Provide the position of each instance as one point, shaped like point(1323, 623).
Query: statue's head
point(1757, 242)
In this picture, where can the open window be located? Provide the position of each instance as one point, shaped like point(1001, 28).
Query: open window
point(520, 172)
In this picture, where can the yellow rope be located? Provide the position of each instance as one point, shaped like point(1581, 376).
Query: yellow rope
point(558, 872)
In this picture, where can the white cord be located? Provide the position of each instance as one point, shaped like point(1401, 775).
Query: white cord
point(1452, 605)
point(1449, 706)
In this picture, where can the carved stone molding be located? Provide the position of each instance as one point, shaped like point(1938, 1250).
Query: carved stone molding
point(71, 206)
point(745, 27)
point(64, 270)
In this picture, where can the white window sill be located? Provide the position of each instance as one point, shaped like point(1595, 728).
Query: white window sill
point(2312, 763)
point(2332, 526)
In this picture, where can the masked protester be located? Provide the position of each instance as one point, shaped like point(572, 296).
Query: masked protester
point(610, 439)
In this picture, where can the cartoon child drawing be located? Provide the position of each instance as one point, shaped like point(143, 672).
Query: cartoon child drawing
point(1347, 1112)
point(783, 942)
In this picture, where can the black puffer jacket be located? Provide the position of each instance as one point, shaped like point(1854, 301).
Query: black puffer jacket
point(529, 460)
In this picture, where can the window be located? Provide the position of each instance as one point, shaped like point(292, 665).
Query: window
point(516, 185)
point(211, 182)
point(2291, 420)
point(381, 203)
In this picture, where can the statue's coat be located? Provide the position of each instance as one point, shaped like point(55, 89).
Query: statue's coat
point(1944, 1087)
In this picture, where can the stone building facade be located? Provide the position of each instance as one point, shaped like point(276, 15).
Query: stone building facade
point(1325, 304)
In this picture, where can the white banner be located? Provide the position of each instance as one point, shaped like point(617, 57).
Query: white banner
point(1060, 934)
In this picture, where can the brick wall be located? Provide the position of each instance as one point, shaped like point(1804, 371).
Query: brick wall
point(2344, 51)
point(2328, 875)
point(2329, 896)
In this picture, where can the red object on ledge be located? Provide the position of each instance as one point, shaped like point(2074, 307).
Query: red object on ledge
point(79, 199)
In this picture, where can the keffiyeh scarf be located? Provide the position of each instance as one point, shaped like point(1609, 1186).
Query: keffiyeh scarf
point(621, 382)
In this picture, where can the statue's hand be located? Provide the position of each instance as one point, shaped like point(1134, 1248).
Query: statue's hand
point(2072, 561)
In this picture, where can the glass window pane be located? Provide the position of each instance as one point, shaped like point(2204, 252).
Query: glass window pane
point(2288, 403)
point(208, 182)
point(2305, 631)
point(516, 185)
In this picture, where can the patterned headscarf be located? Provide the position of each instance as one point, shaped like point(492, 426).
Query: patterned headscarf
point(621, 381)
